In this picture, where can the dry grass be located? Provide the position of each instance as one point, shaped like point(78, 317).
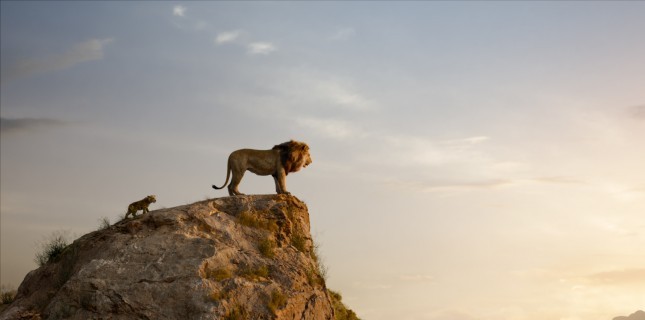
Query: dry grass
point(276, 301)
point(104, 223)
point(249, 219)
point(254, 274)
point(218, 274)
point(299, 242)
point(267, 248)
point(313, 278)
point(341, 311)
point(7, 295)
point(237, 313)
point(321, 267)
point(217, 295)
point(51, 249)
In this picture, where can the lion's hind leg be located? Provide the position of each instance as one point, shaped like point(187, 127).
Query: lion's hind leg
point(235, 182)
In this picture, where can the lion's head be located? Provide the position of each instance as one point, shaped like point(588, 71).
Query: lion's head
point(151, 198)
point(294, 155)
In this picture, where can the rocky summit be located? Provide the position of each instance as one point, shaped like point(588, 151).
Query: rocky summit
point(241, 257)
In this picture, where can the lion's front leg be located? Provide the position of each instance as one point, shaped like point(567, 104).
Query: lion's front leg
point(280, 179)
point(277, 184)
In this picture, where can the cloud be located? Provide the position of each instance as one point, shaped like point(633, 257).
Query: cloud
point(498, 183)
point(255, 48)
point(485, 184)
point(618, 277)
point(186, 23)
point(320, 90)
point(417, 278)
point(372, 286)
point(450, 315)
point(227, 36)
point(331, 128)
point(8, 126)
point(417, 150)
point(443, 166)
point(179, 11)
point(341, 95)
point(252, 48)
point(557, 180)
point(89, 50)
point(475, 140)
point(343, 34)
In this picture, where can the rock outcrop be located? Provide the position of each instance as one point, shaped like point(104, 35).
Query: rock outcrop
point(242, 257)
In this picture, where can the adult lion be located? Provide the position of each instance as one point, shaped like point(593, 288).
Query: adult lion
point(278, 162)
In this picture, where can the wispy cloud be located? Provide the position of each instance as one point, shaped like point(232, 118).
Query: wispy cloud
point(341, 95)
point(475, 140)
point(331, 128)
point(186, 22)
point(343, 34)
point(485, 184)
point(264, 48)
point(498, 183)
point(11, 126)
point(227, 36)
point(416, 150)
point(618, 277)
point(557, 180)
point(179, 11)
point(450, 315)
point(252, 47)
point(372, 286)
point(89, 50)
point(320, 89)
point(416, 278)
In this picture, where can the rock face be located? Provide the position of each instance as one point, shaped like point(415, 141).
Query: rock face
point(242, 257)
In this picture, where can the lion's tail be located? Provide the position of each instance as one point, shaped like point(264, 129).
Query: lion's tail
point(228, 175)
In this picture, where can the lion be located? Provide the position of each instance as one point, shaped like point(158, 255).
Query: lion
point(279, 161)
point(140, 205)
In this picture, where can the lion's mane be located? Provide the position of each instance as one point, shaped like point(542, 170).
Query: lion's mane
point(293, 155)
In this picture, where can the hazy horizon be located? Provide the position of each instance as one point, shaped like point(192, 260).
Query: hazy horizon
point(471, 160)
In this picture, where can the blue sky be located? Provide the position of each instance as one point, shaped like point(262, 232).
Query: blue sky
point(472, 160)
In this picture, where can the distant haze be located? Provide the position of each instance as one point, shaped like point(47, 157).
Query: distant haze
point(638, 315)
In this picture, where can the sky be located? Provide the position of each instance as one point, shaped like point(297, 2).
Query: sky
point(471, 160)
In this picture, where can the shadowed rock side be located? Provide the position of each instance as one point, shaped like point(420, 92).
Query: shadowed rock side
point(243, 257)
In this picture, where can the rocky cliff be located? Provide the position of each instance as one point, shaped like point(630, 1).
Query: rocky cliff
point(242, 257)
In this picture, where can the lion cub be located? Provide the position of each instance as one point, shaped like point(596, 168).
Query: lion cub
point(140, 205)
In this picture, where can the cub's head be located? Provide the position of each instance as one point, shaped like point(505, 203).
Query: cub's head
point(151, 198)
